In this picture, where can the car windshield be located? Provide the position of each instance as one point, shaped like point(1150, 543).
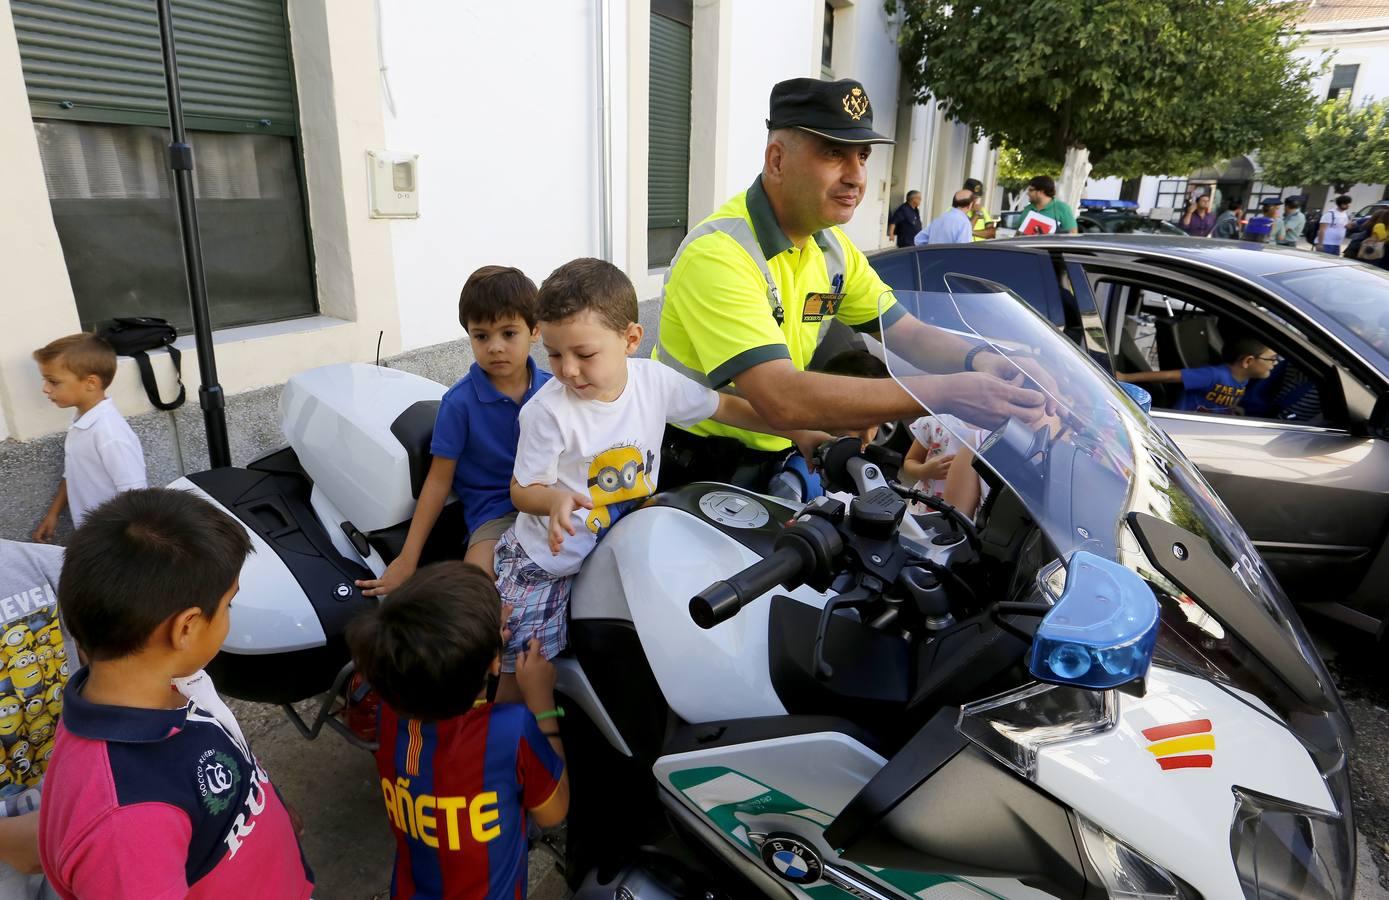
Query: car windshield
point(1354, 297)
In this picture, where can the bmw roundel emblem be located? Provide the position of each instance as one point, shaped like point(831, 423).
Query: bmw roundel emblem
point(791, 860)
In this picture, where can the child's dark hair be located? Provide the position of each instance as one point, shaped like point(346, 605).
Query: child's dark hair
point(81, 354)
point(1240, 347)
point(588, 284)
point(856, 364)
point(427, 648)
point(141, 557)
point(496, 292)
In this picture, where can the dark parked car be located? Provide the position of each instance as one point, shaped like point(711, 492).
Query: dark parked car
point(1121, 222)
point(1306, 471)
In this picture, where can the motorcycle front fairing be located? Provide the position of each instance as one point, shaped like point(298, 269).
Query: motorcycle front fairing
point(1240, 715)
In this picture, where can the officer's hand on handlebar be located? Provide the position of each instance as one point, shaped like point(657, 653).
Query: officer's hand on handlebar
point(807, 442)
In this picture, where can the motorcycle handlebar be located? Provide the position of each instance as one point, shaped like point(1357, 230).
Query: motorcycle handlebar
point(721, 600)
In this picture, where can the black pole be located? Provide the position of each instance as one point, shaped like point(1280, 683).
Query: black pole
point(181, 162)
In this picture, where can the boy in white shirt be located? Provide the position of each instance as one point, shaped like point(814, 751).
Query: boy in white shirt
point(102, 455)
point(590, 446)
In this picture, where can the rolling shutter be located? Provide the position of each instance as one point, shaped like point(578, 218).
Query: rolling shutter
point(100, 61)
point(668, 171)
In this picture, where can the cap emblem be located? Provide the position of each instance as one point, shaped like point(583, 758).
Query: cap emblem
point(856, 104)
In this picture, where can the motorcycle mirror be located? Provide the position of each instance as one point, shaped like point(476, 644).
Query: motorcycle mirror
point(1138, 395)
point(1102, 630)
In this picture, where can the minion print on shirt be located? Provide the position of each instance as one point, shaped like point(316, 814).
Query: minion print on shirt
point(619, 478)
point(33, 672)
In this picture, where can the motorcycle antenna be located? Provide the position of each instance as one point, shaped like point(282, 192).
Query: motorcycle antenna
point(210, 395)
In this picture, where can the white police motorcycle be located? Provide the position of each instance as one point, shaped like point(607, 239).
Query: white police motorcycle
point(1093, 690)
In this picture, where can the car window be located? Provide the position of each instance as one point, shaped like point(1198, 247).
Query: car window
point(1354, 297)
point(1162, 330)
point(898, 270)
point(1028, 274)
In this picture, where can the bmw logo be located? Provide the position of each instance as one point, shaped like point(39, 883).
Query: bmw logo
point(790, 859)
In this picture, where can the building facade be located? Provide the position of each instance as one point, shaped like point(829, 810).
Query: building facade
point(507, 135)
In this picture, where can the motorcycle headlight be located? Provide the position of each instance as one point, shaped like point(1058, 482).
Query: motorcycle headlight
point(1012, 727)
point(1282, 850)
point(1126, 872)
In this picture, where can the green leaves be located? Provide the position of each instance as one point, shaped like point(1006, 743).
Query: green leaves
point(1340, 145)
point(1144, 84)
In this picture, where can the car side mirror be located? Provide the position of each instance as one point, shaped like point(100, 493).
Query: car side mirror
point(1363, 408)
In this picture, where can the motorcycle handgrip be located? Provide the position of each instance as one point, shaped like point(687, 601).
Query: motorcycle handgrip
point(721, 600)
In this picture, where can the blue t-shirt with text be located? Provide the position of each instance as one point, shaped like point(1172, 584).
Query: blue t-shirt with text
point(478, 426)
point(1211, 389)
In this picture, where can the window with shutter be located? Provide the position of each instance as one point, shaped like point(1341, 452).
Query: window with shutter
point(95, 78)
point(1342, 81)
point(668, 167)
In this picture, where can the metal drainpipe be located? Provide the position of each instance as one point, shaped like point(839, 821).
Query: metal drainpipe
point(605, 212)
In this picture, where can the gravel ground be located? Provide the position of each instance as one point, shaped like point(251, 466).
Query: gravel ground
point(1359, 668)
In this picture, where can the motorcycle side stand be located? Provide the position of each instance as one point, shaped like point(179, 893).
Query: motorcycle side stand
point(325, 712)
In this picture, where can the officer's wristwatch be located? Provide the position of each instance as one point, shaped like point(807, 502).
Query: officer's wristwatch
point(975, 351)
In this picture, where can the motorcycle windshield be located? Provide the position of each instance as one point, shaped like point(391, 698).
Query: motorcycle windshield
point(1081, 455)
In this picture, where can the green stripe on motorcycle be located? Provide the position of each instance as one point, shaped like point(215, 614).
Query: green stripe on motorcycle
point(722, 793)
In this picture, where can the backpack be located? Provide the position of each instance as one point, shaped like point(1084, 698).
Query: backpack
point(133, 336)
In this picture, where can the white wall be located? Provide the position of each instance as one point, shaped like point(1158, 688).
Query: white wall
point(1369, 50)
point(865, 48)
point(502, 105)
point(769, 42)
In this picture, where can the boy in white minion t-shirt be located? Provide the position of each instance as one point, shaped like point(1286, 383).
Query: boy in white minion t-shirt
point(590, 446)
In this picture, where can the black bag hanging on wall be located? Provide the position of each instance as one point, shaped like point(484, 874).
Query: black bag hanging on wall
point(134, 336)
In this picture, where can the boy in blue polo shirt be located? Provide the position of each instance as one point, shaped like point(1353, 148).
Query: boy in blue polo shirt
point(476, 428)
point(1216, 389)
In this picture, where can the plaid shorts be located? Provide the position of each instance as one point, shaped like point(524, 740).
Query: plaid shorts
point(539, 600)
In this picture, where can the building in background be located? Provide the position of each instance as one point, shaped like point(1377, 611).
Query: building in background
point(499, 134)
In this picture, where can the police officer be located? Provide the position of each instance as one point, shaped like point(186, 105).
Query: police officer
point(750, 287)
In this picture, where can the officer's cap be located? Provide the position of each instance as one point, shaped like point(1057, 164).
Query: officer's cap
point(835, 110)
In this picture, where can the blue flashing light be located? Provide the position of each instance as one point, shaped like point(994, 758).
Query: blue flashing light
point(1102, 630)
point(1089, 203)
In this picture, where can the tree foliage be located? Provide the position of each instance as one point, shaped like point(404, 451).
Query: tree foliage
point(1341, 145)
point(1145, 85)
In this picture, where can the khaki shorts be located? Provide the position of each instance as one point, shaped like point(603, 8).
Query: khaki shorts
point(492, 529)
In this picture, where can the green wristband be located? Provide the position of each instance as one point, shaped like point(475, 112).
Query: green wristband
point(556, 713)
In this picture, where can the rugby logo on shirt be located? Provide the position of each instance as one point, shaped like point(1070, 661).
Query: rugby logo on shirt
point(218, 778)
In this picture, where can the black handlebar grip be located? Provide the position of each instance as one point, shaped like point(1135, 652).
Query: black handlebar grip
point(717, 603)
point(721, 600)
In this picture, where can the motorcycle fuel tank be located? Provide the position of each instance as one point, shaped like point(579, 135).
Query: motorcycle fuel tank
point(645, 572)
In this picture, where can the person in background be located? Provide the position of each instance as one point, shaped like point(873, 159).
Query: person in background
point(1227, 223)
point(905, 223)
point(952, 226)
point(1376, 234)
point(1294, 221)
point(1199, 219)
point(985, 225)
point(101, 455)
point(1041, 199)
point(1266, 227)
point(1333, 226)
point(1216, 389)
